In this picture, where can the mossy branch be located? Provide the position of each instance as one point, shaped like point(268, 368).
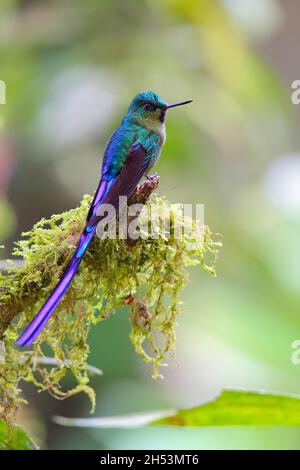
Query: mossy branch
point(144, 275)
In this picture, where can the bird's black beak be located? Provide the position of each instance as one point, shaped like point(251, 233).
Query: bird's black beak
point(181, 103)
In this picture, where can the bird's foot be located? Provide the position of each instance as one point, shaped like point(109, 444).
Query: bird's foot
point(151, 183)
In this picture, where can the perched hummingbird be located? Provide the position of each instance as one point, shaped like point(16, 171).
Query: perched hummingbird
point(131, 152)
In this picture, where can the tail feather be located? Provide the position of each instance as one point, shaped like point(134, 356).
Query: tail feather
point(40, 320)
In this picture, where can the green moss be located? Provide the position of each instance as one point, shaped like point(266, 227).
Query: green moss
point(147, 277)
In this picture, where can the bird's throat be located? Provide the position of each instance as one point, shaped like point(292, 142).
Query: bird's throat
point(156, 126)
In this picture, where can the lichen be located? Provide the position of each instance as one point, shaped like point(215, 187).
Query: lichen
point(146, 276)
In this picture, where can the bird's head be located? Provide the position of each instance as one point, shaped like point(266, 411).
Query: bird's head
point(149, 110)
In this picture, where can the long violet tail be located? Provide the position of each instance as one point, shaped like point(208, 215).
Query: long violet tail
point(40, 320)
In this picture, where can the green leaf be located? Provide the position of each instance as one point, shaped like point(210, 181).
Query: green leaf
point(239, 408)
point(230, 408)
point(14, 438)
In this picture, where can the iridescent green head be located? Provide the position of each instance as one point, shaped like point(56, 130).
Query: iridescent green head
point(149, 110)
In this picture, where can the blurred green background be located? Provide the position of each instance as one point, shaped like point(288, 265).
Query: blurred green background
point(71, 68)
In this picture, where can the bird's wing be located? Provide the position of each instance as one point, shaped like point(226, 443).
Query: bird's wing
point(136, 164)
point(115, 155)
point(137, 161)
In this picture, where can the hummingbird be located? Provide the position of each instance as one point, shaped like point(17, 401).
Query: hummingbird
point(132, 151)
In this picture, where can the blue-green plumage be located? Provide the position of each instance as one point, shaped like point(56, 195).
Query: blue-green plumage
point(131, 152)
point(140, 123)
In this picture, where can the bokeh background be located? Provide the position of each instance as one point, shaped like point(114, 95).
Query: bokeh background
point(71, 68)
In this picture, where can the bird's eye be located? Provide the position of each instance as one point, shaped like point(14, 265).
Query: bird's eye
point(148, 107)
